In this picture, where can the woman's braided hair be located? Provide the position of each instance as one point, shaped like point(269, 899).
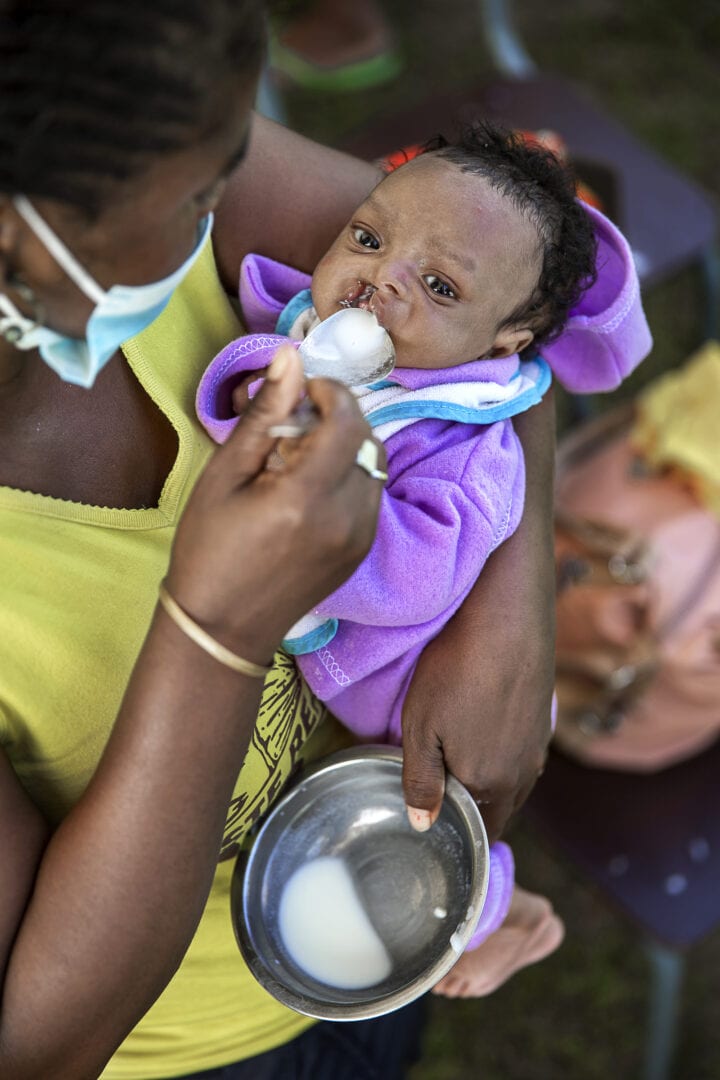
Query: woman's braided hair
point(92, 90)
point(543, 188)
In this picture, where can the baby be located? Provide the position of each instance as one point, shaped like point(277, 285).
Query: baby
point(469, 255)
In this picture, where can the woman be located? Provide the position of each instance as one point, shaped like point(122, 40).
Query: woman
point(126, 735)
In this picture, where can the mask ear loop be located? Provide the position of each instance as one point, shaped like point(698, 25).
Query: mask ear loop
point(62, 256)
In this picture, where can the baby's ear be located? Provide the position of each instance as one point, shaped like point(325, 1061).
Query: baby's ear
point(509, 340)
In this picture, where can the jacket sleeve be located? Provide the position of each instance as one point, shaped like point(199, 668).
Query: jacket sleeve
point(440, 518)
point(607, 334)
point(213, 400)
point(266, 287)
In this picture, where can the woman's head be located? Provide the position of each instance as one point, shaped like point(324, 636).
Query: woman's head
point(92, 93)
point(118, 121)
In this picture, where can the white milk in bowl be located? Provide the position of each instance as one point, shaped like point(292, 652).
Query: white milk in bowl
point(326, 930)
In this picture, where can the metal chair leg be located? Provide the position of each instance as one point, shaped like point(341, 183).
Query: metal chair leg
point(667, 968)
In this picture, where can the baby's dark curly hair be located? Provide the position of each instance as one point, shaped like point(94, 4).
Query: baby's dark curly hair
point(543, 188)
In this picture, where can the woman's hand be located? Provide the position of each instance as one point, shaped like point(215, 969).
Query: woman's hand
point(258, 547)
point(479, 701)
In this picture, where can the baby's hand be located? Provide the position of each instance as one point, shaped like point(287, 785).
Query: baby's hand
point(241, 393)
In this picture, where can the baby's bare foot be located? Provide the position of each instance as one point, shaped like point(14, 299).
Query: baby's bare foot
point(530, 932)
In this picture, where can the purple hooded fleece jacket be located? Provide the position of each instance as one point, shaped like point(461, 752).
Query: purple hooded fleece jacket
point(454, 492)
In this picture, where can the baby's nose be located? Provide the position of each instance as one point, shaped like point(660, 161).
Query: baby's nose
point(396, 276)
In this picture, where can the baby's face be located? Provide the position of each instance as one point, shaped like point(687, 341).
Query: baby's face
point(441, 258)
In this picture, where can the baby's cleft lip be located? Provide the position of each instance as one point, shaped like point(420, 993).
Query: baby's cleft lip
point(358, 296)
point(366, 297)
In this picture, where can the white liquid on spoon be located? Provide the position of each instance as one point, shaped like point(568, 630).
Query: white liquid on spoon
point(326, 929)
point(349, 345)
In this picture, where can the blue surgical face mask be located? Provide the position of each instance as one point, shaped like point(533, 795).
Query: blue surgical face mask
point(119, 314)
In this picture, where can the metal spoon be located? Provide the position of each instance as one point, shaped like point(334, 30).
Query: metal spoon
point(349, 346)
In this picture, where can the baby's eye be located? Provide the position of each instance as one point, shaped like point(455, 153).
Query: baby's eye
point(362, 236)
point(437, 285)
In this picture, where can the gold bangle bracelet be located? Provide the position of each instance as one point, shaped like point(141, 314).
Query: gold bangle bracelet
point(201, 637)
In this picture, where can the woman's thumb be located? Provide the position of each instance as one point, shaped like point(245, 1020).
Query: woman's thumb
point(423, 783)
point(251, 441)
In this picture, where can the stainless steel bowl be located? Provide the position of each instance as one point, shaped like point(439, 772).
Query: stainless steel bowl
point(422, 892)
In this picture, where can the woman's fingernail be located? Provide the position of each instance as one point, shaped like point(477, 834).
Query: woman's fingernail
point(279, 365)
point(421, 820)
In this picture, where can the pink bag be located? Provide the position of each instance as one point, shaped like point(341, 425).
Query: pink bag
point(638, 569)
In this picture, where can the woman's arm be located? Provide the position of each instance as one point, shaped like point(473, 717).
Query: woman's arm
point(96, 918)
point(479, 702)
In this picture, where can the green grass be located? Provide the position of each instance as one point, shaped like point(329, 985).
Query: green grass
point(654, 65)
